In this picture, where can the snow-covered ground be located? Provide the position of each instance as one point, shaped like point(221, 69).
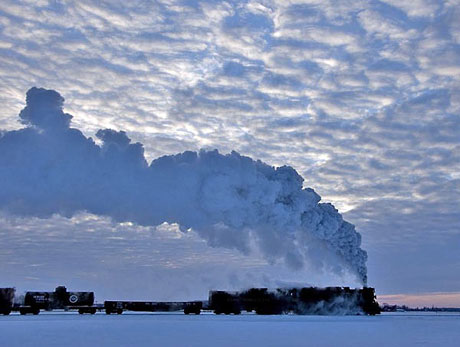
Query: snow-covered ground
point(70, 329)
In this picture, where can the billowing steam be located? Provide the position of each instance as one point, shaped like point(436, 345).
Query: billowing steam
point(230, 200)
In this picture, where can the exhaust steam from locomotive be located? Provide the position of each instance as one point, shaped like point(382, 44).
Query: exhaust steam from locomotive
point(230, 200)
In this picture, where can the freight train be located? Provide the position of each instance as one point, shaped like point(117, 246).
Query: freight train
point(308, 300)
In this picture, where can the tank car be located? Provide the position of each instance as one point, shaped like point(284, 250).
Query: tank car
point(59, 299)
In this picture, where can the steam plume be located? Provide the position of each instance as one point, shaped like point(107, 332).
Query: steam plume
point(230, 200)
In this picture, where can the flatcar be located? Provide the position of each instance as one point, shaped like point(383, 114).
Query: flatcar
point(153, 306)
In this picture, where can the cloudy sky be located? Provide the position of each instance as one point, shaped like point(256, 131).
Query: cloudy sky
point(362, 98)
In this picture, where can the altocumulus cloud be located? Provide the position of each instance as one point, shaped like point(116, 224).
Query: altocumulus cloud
point(361, 97)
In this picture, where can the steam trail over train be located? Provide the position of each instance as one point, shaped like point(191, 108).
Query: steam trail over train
point(307, 300)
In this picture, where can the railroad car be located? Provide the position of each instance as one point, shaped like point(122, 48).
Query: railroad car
point(6, 300)
point(153, 306)
point(59, 299)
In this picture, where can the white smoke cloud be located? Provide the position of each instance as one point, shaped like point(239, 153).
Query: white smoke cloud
point(230, 200)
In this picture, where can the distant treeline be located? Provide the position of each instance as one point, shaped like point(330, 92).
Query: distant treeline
point(400, 308)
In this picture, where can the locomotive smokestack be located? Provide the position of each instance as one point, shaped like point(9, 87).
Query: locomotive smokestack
point(229, 200)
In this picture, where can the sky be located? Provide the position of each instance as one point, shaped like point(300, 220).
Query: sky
point(362, 98)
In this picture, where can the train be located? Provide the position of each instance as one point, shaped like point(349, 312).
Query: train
point(262, 301)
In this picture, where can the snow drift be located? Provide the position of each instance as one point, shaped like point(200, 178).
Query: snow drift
point(230, 200)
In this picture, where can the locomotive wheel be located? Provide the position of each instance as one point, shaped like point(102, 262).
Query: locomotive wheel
point(119, 311)
point(93, 310)
point(36, 311)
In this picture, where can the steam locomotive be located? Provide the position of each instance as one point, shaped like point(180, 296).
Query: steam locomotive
point(313, 301)
point(309, 300)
